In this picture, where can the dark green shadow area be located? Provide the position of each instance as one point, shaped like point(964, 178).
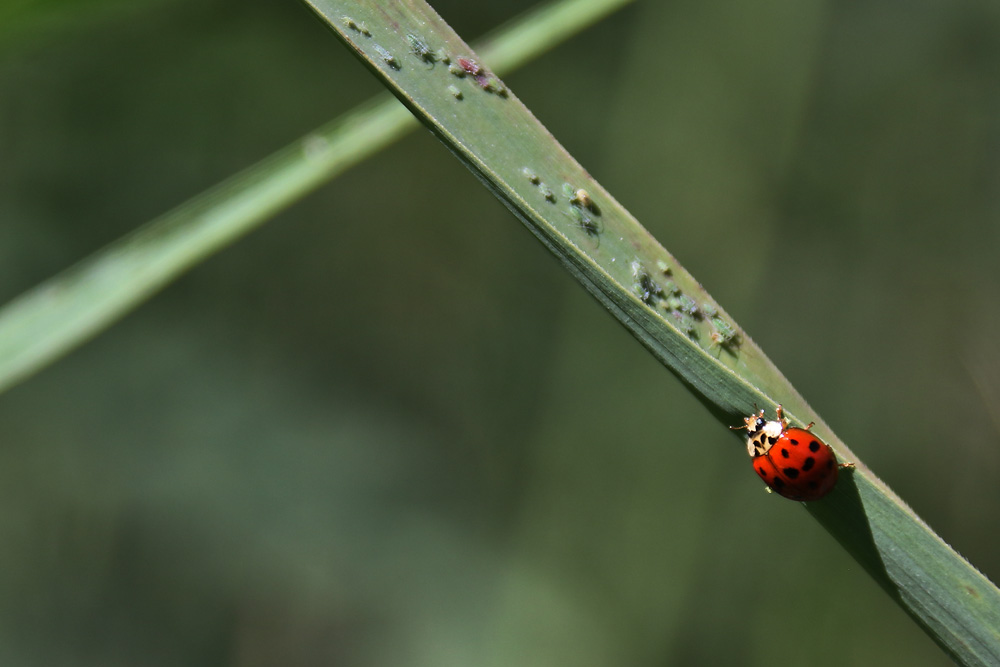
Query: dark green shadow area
point(919, 575)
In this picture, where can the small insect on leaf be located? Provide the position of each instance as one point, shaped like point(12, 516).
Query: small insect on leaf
point(723, 334)
point(387, 57)
point(582, 199)
point(351, 24)
point(648, 290)
point(420, 49)
point(470, 66)
point(591, 226)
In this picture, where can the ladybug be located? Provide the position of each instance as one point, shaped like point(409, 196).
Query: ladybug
point(792, 461)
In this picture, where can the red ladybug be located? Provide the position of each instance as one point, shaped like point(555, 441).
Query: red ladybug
point(792, 461)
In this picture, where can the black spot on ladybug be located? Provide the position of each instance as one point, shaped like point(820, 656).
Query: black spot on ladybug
point(784, 452)
point(813, 446)
point(762, 472)
point(809, 463)
point(793, 441)
point(790, 473)
point(777, 483)
point(813, 485)
point(829, 464)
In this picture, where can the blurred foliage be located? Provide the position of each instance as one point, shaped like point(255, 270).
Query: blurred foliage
point(261, 467)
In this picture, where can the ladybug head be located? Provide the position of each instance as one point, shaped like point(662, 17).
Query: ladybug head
point(761, 433)
point(754, 422)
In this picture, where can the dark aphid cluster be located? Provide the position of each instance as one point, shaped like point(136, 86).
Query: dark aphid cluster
point(685, 311)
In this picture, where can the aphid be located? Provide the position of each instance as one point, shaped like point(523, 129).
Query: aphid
point(442, 56)
point(688, 306)
point(455, 92)
point(792, 461)
point(709, 309)
point(531, 176)
point(387, 57)
point(547, 193)
point(647, 289)
point(351, 24)
point(723, 334)
point(582, 198)
point(470, 66)
point(491, 84)
point(457, 70)
point(588, 224)
point(685, 322)
point(420, 49)
point(663, 267)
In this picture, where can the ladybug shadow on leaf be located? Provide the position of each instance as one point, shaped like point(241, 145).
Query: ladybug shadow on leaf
point(842, 512)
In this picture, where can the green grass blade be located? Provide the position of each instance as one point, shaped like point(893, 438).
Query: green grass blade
point(645, 288)
point(46, 322)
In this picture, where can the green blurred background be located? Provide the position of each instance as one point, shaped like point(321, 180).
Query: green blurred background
point(388, 429)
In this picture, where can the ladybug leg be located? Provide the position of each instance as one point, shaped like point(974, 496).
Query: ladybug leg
point(849, 464)
point(811, 424)
point(780, 413)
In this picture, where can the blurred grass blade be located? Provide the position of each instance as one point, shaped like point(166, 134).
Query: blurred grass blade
point(445, 85)
point(46, 322)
